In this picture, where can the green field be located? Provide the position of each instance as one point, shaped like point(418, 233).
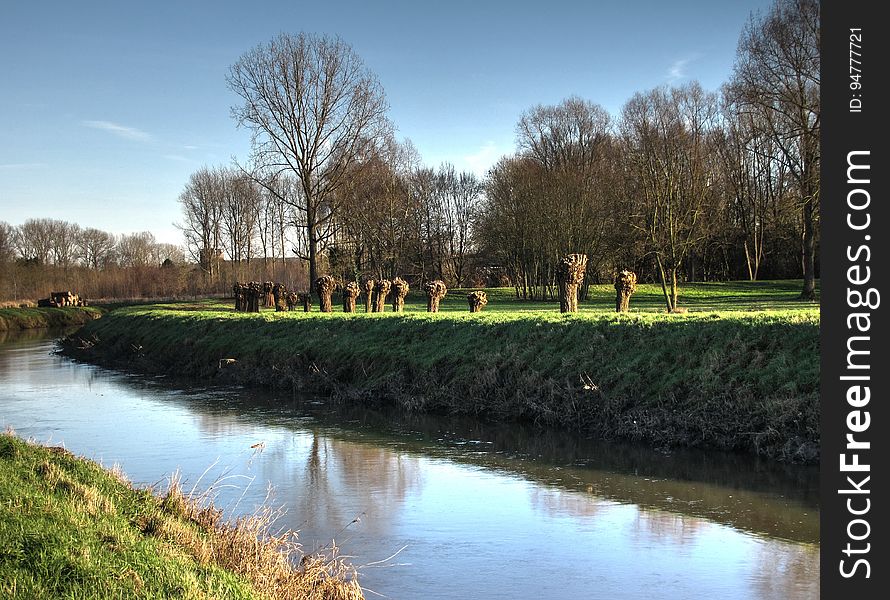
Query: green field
point(70, 529)
point(741, 379)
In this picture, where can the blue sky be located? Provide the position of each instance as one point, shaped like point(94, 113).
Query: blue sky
point(106, 108)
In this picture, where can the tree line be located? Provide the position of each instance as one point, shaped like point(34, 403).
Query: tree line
point(43, 255)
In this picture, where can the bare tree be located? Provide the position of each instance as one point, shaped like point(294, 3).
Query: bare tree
point(64, 242)
point(314, 109)
point(572, 142)
point(137, 249)
point(458, 196)
point(777, 77)
point(755, 180)
point(95, 247)
point(202, 209)
point(667, 136)
point(34, 240)
point(7, 242)
point(240, 197)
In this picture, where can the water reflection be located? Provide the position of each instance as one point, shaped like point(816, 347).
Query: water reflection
point(485, 510)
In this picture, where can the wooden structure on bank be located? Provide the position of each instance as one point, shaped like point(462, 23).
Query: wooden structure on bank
point(569, 275)
point(435, 291)
point(61, 299)
point(368, 293)
point(350, 293)
point(381, 291)
point(477, 300)
point(625, 286)
point(399, 291)
point(324, 288)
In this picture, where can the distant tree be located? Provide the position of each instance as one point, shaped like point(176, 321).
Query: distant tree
point(777, 78)
point(755, 181)
point(668, 134)
point(314, 110)
point(572, 141)
point(137, 249)
point(458, 196)
point(240, 198)
point(7, 242)
point(202, 208)
point(64, 242)
point(34, 240)
point(95, 247)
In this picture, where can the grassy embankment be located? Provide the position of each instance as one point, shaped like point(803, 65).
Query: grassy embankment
point(35, 318)
point(70, 529)
point(738, 380)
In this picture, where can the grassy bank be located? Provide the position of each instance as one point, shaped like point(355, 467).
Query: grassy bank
point(12, 319)
point(732, 380)
point(70, 529)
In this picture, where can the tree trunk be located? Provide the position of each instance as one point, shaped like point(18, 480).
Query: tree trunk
point(477, 300)
point(399, 291)
point(625, 286)
point(306, 299)
point(324, 287)
point(808, 252)
point(350, 293)
point(664, 290)
point(569, 275)
point(381, 291)
point(368, 287)
point(435, 291)
point(674, 290)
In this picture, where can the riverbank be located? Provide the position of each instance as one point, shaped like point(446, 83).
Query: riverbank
point(734, 381)
point(69, 528)
point(12, 319)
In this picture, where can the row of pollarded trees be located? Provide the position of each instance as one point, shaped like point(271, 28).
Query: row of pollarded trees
point(250, 297)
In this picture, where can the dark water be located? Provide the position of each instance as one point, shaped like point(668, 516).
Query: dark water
point(471, 510)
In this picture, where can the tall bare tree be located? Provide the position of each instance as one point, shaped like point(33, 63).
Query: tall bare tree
point(95, 247)
point(202, 209)
point(777, 77)
point(667, 135)
point(34, 240)
point(314, 109)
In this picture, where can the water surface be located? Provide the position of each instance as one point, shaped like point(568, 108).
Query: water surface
point(470, 510)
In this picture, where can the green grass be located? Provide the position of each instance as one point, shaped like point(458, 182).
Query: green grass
point(70, 529)
point(743, 379)
point(34, 318)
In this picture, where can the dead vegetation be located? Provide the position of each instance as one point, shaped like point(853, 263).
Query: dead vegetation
point(273, 563)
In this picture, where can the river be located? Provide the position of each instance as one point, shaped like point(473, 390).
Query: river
point(440, 507)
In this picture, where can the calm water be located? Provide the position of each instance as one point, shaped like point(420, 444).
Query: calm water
point(470, 510)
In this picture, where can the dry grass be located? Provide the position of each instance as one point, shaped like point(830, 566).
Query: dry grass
point(272, 562)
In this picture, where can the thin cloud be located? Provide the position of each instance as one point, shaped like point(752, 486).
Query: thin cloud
point(483, 159)
point(17, 166)
point(129, 133)
point(679, 69)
